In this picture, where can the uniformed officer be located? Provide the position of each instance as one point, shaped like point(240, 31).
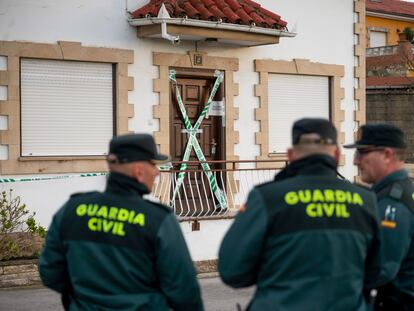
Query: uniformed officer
point(380, 154)
point(115, 250)
point(308, 240)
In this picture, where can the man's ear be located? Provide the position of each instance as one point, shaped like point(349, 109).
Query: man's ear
point(137, 171)
point(291, 154)
point(337, 154)
point(389, 154)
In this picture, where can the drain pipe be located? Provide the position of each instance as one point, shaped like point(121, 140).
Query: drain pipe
point(167, 36)
point(164, 15)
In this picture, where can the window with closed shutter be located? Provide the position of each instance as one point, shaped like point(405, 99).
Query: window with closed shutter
point(377, 39)
point(66, 108)
point(292, 97)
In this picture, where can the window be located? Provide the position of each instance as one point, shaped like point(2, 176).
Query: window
point(377, 38)
point(292, 97)
point(61, 101)
point(285, 95)
point(66, 107)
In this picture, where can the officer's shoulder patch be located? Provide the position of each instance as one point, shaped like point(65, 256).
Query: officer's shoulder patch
point(396, 191)
point(76, 194)
point(159, 205)
point(361, 186)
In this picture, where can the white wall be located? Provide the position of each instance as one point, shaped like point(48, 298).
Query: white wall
point(325, 34)
point(45, 196)
point(204, 244)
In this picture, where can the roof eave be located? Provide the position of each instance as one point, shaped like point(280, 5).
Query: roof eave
point(390, 16)
point(211, 25)
point(389, 86)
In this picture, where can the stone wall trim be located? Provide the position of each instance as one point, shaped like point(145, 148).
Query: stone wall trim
point(63, 50)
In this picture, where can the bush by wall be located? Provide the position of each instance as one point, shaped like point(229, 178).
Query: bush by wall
point(20, 234)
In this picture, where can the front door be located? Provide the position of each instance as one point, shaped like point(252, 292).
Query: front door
point(195, 196)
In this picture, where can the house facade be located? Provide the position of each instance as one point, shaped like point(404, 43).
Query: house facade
point(385, 19)
point(73, 74)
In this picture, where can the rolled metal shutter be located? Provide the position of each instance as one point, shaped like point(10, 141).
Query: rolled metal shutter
point(292, 97)
point(377, 39)
point(66, 107)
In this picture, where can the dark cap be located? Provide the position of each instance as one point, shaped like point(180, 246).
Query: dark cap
point(379, 135)
point(134, 147)
point(314, 131)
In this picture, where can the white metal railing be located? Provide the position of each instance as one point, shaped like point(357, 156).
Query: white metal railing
point(382, 50)
point(195, 199)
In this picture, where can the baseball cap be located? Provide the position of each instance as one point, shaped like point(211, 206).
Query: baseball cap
point(314, 131)
point(379, 135)
point(134, 147)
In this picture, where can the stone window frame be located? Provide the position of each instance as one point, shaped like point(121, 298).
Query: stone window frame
point(378, 29)
point(359, 68)
point(295, 67)
point(63, 50)
point(162, 110)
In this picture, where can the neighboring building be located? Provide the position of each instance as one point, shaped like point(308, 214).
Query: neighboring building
point(385, 19)
point(389, 63)
point(75, 73)
point(390, 99)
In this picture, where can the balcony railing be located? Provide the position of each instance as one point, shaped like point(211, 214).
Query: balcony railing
point(196, 197)
point(382, 50)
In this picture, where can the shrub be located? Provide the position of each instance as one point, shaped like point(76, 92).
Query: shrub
point(409, 33)
point(20, 234)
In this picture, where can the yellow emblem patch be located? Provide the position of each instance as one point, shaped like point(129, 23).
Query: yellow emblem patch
point(388, 224)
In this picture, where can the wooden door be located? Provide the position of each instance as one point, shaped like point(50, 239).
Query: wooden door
point(196, 194)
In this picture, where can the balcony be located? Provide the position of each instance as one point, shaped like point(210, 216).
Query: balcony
point(196, 197)
point(382, 50)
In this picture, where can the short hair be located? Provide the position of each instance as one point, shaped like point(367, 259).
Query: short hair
point(123, 168)
point(313, 149)
point(400, 153)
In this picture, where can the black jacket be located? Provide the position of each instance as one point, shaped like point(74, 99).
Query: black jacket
point(117, 251)
point(308, 240)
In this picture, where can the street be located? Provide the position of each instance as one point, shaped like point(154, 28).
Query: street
point(216, 297)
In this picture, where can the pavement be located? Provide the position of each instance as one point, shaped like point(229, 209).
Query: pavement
point(216, 296)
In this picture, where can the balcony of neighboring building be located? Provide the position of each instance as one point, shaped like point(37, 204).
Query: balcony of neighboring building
point(394, 62)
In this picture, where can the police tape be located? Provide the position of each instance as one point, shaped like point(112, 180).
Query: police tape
point(26, 179)
point(193, 142)
point(163, 167)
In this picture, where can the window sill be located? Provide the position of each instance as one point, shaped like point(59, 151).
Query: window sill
point(281, 156)
point(61, 158)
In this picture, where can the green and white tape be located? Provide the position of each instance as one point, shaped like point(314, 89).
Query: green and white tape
point(26, 179)
point(193, 142)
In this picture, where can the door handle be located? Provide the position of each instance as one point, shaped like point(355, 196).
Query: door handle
point(213, 146)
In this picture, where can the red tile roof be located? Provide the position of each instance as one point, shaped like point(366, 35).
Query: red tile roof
point(389, 81)
point(393, 7)
point(245, 12)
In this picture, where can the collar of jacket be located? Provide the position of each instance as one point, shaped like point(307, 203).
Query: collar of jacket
point(123, 184)
point(389, 179)
point(313, 165)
